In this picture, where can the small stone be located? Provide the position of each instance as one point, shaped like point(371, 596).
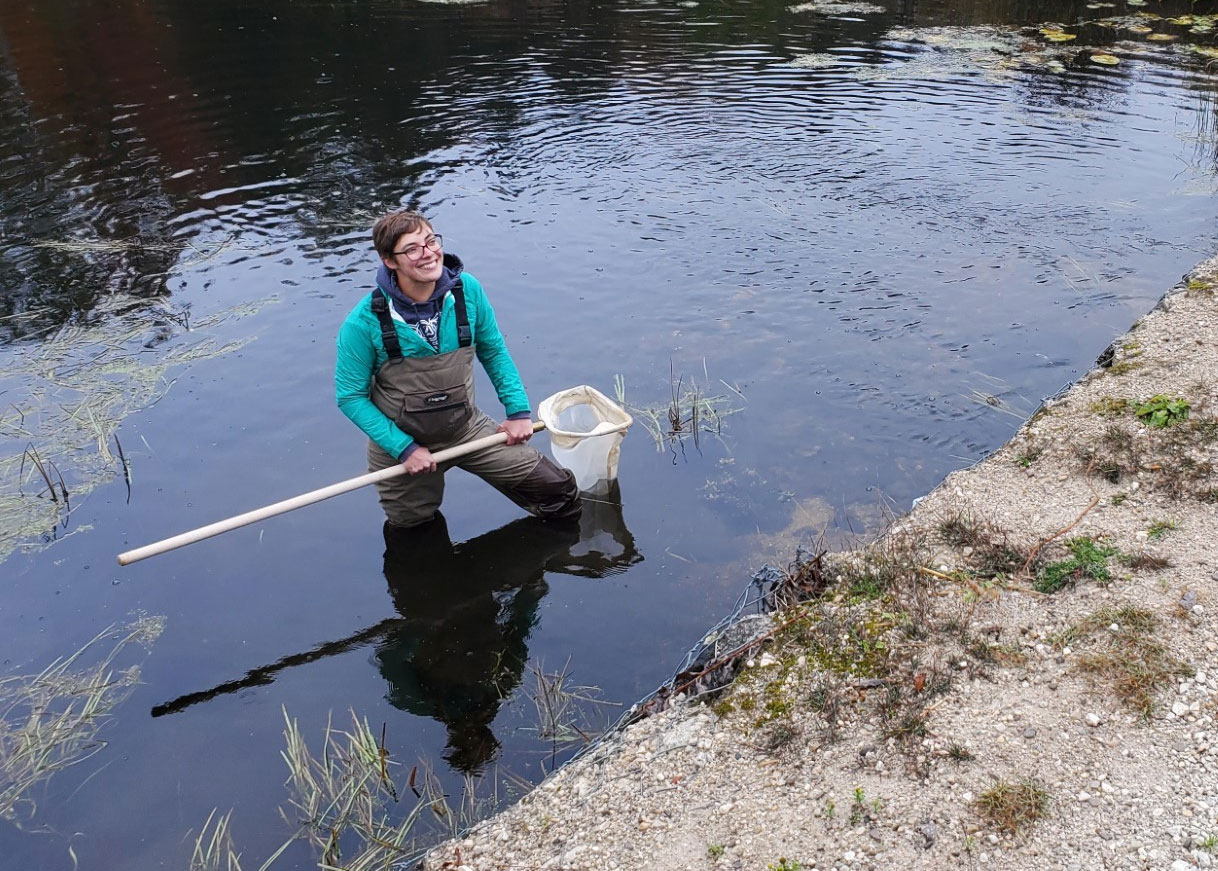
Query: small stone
point(1093, 720)
point(875, 835)
point(1179, 708)
point(1029, 732)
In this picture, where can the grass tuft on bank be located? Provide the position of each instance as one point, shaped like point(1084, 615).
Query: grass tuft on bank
point(1012, 805)
point(1124, 653)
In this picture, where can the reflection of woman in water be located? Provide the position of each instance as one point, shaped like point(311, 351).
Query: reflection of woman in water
point(461, 643)
point(468, 610)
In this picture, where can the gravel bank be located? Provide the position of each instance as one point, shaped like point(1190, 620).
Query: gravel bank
point(973, 676)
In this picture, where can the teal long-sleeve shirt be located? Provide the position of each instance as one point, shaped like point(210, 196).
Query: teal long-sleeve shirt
point(361, 352)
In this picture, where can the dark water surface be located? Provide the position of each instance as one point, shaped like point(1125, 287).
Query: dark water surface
point(865, 235)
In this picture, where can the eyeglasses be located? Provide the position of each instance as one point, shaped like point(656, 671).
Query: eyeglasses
point(414, 252)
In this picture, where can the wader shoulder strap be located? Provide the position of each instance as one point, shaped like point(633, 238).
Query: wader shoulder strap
point(464, 335)
point(389, 333)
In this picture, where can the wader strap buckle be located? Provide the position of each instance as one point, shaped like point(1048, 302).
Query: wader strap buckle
point(389, 333)
point(465, 336)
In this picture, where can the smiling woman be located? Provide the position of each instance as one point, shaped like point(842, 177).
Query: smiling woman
point(405, 376)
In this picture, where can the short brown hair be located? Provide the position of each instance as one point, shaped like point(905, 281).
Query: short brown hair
point(394, 226)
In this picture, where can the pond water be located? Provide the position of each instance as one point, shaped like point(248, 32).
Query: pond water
point(869, 241)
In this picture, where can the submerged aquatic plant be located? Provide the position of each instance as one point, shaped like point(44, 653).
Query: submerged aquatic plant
point(49, 721)
point(58, 431)
point(563, 707)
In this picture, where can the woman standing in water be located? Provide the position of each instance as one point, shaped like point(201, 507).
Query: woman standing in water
point(405, 376)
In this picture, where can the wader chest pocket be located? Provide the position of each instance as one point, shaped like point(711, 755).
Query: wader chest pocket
point(435, 416)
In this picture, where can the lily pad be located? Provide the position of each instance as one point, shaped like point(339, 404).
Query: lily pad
point(1140, 29)
point(1135, 2)
point(1108, 60)
point(1162, 37)
point(1203, 50)
point(1058, 35)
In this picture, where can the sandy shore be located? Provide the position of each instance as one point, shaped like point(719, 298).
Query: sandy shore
point(1023, 673)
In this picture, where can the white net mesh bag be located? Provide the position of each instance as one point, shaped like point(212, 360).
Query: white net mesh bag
point(586, 431)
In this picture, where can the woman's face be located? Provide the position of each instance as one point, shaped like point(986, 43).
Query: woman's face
point(414, 260)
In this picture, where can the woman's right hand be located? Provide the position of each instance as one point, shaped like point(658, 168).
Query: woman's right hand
point(419, 462)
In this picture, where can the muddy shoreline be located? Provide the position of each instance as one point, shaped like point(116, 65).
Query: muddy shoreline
point(1039, 629)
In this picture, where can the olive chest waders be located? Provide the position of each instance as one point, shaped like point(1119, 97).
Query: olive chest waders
point(431, 399)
